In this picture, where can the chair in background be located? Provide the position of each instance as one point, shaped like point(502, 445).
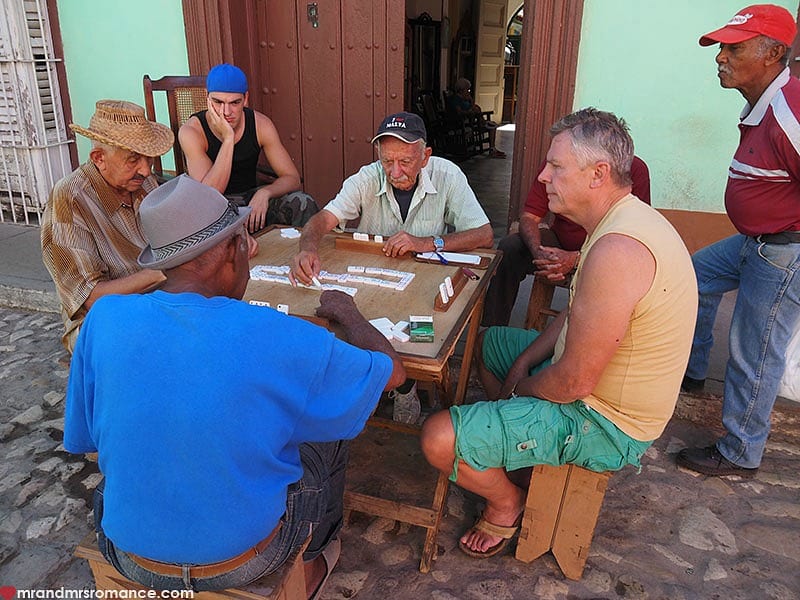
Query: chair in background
point(186, 95)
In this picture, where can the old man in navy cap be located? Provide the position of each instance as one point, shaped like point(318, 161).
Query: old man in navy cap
point(418, 202)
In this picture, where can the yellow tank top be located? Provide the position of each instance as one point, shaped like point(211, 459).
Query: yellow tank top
point(639, 388)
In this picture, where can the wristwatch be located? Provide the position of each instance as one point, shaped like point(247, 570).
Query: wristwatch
point(438, 243)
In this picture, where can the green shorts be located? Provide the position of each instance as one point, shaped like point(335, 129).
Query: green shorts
point(523, 432)
point(502, 346)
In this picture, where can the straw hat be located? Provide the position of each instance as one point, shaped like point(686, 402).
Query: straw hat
point(182, 219)
point(123, 124)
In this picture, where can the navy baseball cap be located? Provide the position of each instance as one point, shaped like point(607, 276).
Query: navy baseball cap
point(404, 126)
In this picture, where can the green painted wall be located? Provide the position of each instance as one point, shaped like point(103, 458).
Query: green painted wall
point(641, 60)
point(109, 45)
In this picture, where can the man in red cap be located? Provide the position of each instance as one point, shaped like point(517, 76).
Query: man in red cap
point(762, 199)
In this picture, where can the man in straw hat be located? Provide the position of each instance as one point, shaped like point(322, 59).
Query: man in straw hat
point(222, 146)
point(763, 259)
point(418, 202)
point(244, 456)
point(90, 232)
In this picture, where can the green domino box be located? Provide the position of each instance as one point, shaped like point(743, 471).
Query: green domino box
point(421, 328)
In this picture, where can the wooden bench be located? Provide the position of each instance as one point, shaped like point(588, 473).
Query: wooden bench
point(287, 583)
point(560, 515)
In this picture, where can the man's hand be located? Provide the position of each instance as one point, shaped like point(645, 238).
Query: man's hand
point(516, 373)
point(305, 265)
point(337, 306)
point(217, 123)
point(402, 242)
point(555, 263)
point(259, 204)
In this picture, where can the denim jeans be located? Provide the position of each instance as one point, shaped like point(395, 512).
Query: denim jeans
point(313, 505)
point(766, 313)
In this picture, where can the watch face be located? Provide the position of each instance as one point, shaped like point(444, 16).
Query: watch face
point(438, 243)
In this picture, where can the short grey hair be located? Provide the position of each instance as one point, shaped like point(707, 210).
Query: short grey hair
point(767, 43)
point(598, 135)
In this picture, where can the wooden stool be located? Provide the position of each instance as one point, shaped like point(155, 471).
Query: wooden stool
point(539, 303)
point(560, 515)
point(287, 583)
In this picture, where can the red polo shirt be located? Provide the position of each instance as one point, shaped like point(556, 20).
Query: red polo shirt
point(571, 235)
point(763, 192)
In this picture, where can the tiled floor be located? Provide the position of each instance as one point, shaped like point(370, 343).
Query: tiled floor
point(490, 179)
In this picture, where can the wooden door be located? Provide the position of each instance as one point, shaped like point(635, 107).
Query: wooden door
point(489, 73)
point(325, 72)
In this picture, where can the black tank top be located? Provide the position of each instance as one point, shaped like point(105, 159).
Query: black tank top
point(245, 152)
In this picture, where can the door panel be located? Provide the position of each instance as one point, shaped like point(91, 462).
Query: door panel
point(359, 63)
point(491, 54)
point(321, 97)
point(277, 87)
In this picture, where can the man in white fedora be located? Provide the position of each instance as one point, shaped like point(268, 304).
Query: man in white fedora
point(90, 232)
point(215, 470)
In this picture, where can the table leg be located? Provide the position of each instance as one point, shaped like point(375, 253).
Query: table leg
point(469, 349)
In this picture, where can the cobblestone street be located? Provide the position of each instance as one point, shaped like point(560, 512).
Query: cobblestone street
point(663, 533)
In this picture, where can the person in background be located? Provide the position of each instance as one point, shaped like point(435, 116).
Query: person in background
point(222, 146)
point(762, 260)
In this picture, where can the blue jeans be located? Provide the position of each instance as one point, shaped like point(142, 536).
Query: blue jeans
point(313, 505)
point(766, 313)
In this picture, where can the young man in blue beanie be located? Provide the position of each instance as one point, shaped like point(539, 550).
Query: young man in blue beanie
point(223, 143)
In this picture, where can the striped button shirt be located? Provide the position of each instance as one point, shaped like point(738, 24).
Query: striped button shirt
point(763, 192)
point(89, 236)
point(442, 198)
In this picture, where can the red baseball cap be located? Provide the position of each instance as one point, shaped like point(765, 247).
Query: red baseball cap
point(759, 19)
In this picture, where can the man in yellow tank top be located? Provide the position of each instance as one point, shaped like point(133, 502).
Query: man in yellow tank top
point(599, 384)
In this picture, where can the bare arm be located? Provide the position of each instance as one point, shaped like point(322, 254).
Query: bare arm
point(288, 178)
point(529, 231)
point(305, 263)
point(469, 239)
point(193, 142)
point(339, 307)
point(599, 317)
point(143, 281)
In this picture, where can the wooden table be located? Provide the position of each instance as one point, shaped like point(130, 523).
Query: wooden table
point(423, 361)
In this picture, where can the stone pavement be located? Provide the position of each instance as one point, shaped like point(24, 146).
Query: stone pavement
point(663, 533)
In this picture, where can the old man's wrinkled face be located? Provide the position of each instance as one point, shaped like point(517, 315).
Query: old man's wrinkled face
point(122, 169)
point(402, 161)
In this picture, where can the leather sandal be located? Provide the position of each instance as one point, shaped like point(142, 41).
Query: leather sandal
point(507, 533)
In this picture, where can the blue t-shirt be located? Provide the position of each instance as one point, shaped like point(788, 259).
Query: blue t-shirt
point(197, 407)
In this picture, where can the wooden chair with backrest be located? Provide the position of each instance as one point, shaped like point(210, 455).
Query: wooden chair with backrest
point(186, 95)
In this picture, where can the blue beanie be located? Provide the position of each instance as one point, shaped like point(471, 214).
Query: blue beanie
point(226, 78)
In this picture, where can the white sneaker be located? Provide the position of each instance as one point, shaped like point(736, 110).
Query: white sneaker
point(406, 406)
